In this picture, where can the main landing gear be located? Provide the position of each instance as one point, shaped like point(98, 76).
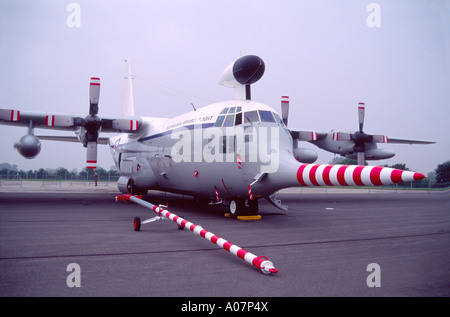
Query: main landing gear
point(240, 207)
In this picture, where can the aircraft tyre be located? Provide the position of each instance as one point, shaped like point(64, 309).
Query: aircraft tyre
point(137, 224)
point(237, 207)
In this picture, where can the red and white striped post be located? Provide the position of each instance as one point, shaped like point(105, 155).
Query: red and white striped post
point(261, 262)
point(250, 195)
point(217, 194)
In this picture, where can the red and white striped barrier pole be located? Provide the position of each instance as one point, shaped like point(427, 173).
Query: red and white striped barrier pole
point(261, 262)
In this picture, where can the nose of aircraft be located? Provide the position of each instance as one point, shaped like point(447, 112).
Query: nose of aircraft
point(293, 174)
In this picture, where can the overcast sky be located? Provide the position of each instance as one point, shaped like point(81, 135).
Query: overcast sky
point(323, 54)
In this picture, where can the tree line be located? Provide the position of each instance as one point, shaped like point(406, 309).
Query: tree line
point(440, 175)
point(8, 171)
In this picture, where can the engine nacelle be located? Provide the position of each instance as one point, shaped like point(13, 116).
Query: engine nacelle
point(305, 155)
point(122, 184)
point(373, 154)
point(142, 178)
point(246, 70)
point(29, 146)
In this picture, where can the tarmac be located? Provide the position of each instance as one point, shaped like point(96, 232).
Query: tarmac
point(331, 242)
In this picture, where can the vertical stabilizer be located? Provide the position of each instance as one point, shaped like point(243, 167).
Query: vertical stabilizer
point(128, 104)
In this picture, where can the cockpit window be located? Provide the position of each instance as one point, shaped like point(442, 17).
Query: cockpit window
point(266, 116)
point(233, 116)
point(251, 116)
point(229, 121)
point(219, 121)
point(238, 120)
point(278, 119)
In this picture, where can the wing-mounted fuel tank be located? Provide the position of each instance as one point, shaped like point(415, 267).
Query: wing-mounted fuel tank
point(242, 73)
point(29, 146)
point(141, 179)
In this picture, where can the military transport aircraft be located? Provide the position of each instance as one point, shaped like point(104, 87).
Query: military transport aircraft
point(235, 151)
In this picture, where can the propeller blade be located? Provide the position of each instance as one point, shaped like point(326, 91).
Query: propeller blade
point(94, 95)
point(9, 115)
point(307, 135)
point(125, 124)
point(361, 158)
point(361, 111)
point(91, 155)
point(285, 109)
point(59, 121)
point(341, 136)
point(380, 138)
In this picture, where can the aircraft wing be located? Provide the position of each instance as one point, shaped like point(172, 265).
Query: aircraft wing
point(377, 138)
point(68, 139)
point(407, 141)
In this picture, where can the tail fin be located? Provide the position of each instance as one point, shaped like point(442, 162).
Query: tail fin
point(128, 105)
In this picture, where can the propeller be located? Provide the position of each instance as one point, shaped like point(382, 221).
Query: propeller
point(92, 124)
point(360, 138)
point(285, 109)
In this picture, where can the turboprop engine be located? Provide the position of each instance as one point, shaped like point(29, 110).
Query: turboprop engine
point(141, 180)
point(29, 146)
point(305, 155)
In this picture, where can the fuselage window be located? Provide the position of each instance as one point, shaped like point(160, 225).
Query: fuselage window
point(266, 116)
point(229, 121)
point(251, 116)
point(232, 110)
point(224, 111)
point(219, 121)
